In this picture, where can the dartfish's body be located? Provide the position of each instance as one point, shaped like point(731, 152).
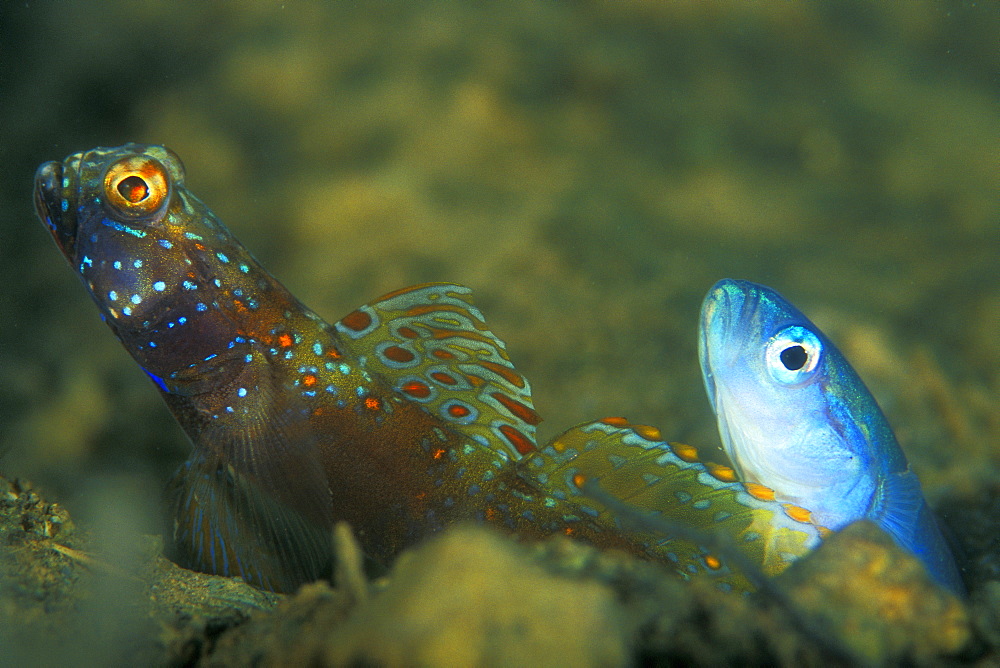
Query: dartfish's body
point(402, 418)
point(794, 416)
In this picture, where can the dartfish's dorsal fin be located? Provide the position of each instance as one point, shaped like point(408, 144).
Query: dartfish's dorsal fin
point(631, 463)
point(253, 499)
point(432, 345)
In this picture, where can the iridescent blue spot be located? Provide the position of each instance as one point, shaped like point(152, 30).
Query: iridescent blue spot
point(65, 205)
point(218, 283)
point(166, 244)
point(238, 292)
point(331, 389)
point(248, 358)
point(318, 348)
point(136, 299)
point(192, 235)
point(159, 286)
point(702, 504)
point(222, 257)
point(229, 409)
point(289, 355)
point(200, 307)
point(159, 381)
point(188, 285)
point(245, 269)
point(181, 320)
point(360, 391)
point(344, 369)
point(152, 344)
point(252, 304)
point(309, 393)
point(242, 392)
point(137, 264)
point(170, 325)
point(127, 310)
point(113, 296)
point(117, 264)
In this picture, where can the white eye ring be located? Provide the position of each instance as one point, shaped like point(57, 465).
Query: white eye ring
point(793, 355)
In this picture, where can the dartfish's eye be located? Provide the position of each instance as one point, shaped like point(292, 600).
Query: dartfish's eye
point(136, 186)
point(793, 354)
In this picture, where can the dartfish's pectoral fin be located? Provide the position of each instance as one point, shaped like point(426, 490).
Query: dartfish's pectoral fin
point(631, 463)
point(226, 524)
point(254, 499)
point(432, 345)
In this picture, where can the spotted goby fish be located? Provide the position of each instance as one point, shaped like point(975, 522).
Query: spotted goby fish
point(402, 418)
point(795, 416)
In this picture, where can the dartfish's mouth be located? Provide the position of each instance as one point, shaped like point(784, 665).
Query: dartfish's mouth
point(52, 205)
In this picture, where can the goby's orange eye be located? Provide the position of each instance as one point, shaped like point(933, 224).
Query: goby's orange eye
point(136, 185)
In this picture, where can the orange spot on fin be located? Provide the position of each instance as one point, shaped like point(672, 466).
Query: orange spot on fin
point(686, 452)
point(356, 320)
point(647, 432)
point(517, 409)
point(720, 472)
point(758, 491)
point(615, 421)
point(798, 513)
point(521, 443)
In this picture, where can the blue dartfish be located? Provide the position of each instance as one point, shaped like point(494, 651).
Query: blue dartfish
point(794, 416)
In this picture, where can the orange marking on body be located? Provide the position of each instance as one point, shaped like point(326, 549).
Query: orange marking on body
point(309, 380)
point(579, 479)
point(415, 388)
point(758, 491)
point(647, 432)
point(505, 372)
point(491, 513)
point(615, 421)
point(458, 411)
point(357, 320)
point(798, 513)
point(521, 443)
point(200, 247)
point(372, 404)
point(397, 354)
point(720, 472)
point(285, 340)
point(444, 378)
point(333, 352)
point(438, 453)
point(569, 531)
point(517, 409)
point(713, 562)
point(441, 354)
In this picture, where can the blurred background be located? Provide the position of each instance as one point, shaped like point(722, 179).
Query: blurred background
point(590, 169)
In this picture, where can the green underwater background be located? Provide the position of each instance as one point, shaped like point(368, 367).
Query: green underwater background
point(590, 169)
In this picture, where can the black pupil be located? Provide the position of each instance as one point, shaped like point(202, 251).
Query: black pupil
point(794, 357)
point(133, 189)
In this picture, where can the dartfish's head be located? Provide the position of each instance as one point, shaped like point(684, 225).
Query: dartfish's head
point(165, 274)
point(792, 413)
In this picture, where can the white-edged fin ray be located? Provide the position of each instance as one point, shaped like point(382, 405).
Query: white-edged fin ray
point(432, 345)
